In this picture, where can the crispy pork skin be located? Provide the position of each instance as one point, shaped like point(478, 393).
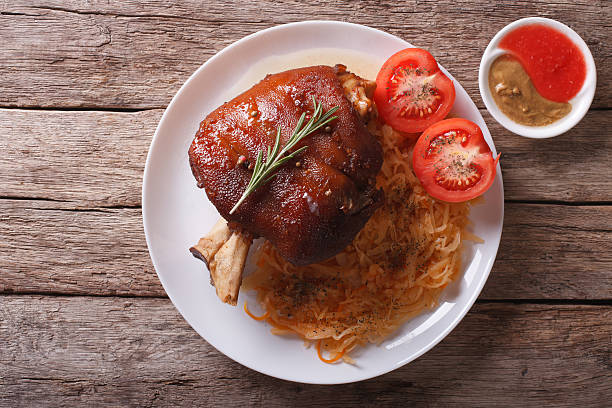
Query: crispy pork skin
point(318, 201)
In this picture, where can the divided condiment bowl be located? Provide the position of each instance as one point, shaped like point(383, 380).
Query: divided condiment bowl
point(580, 103)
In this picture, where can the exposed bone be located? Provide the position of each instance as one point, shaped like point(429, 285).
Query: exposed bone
point(358, 91)
point(228, 264)
point(224, 252)
point(207, 246)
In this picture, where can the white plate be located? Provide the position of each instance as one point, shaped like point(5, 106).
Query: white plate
point(176, 213)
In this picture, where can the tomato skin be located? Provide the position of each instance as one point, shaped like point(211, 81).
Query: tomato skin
point(453, 162)
point(412, 93)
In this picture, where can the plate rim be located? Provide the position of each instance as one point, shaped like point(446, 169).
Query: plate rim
point(146, 181)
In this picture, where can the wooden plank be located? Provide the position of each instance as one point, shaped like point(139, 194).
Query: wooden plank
point(136, 55)
point(49, 250)
point(553, 252)
point(43, 154)
point(547, 252)
point(72, 351)
point(560, 168)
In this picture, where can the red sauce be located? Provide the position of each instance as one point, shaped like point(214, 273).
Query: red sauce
point(554, 63)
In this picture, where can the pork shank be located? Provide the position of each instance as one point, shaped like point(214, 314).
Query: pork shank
point(317, 201)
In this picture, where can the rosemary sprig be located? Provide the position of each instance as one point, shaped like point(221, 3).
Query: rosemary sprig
point(264, 171)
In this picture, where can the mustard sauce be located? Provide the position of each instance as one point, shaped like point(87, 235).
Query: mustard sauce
point(517, 97)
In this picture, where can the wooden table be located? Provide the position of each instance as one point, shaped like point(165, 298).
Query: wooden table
point(83, 317)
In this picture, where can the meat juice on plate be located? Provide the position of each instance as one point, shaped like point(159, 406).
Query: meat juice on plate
point(361, 64)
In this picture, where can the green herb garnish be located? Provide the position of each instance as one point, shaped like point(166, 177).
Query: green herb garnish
point(264, 171)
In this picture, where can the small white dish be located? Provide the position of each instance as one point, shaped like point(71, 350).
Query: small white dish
point(176, 213)
point(580, 103)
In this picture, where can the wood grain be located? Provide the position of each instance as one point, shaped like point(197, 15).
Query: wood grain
point(547, 252)
point(94, 159)
point(70, 216)
point(48, 249)
point(136, 55)
point(553, 252)
point(109, 351)
point(86, 158)
point(573, 167)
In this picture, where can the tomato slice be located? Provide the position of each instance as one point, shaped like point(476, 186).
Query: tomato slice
point(453, 162)
point(411, 91)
